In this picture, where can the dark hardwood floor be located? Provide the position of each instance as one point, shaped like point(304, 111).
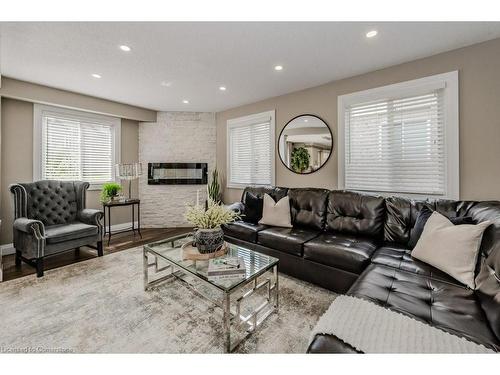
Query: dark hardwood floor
point(119, 242)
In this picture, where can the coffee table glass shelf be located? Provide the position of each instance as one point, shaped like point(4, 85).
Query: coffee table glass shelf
point(245, 303)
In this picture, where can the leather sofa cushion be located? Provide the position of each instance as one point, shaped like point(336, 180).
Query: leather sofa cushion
point(449, 208)
point(67, 232)
point(488, 290)
point(355, 213)
point(483, 211)
point(243, 230)
point(324, 343)
point(444, 305)
point(488, 279)
point(308, 207)
point(402, 214)
point(399, 256)
point(289, 240)
point(347, 252)
point(398, 220)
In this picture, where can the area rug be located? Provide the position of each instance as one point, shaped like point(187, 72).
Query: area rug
point(99, 306)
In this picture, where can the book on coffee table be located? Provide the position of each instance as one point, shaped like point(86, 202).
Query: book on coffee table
point(226, 268)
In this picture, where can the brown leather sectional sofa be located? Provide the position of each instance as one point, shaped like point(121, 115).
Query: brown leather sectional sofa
point(357, 244)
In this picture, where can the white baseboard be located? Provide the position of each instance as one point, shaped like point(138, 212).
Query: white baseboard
point(8, 249)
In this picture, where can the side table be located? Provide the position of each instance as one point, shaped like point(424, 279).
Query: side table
point(107, 216)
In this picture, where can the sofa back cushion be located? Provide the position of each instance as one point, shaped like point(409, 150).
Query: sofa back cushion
point(402, 214)
point(398, 220)
point(490, 211)
point(488, 279)
point(452, 209)
point(355, 213)
point(51, 202)
point(308, 207)
point(488, 290)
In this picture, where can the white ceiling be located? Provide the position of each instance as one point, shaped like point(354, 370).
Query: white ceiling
point(194, 59)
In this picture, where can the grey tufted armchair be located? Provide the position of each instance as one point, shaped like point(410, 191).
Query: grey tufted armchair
point(50, 217)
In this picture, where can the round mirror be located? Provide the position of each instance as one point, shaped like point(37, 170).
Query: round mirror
point(305, 144)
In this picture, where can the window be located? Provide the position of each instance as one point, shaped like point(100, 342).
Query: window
point(250, 150)
point(74, 145)
point(401, 138)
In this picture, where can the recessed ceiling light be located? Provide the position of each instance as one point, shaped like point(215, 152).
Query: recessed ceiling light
point(95, 75)
point(166, 84)
point(278, 67)
point(222, 88)
point(125, 48)
point(185, 101)
point(371, 34)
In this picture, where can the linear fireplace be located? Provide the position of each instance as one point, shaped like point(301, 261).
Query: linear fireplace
point(177, 173)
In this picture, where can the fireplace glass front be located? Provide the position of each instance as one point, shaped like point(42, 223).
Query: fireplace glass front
point(177, 173)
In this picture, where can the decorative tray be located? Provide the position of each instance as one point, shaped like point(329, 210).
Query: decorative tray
point(189, 252)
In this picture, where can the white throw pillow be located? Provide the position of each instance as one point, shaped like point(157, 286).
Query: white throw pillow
point(451, 248)
point(276, 213)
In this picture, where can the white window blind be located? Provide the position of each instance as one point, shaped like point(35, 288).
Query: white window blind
point(251, 150)
point(397, 145)
point(76, 146)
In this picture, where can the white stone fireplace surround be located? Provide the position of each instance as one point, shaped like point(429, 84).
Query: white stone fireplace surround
point(176, 137)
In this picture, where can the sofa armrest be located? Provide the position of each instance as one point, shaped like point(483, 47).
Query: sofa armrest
point(30, 226)
point(238, 207)
point(90, 216)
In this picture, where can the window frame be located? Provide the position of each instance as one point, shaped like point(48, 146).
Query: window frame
point(244, 121)
point(38, 112)
point(450, 84)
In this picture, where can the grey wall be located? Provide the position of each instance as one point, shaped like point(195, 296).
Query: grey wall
point(479, 117)
point(16, 138)
point(16, 160)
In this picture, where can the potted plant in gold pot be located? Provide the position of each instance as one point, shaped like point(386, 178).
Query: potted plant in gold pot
point(208, 235)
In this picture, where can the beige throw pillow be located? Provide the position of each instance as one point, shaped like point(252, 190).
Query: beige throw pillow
point(451, 248)
point(276, 213)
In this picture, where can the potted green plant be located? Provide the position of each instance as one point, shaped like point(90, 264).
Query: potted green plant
point(213, 188)
point(208, 235)
point(110, 191)
point(299, 160)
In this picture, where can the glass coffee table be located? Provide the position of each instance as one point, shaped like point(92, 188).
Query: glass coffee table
point(163, 260)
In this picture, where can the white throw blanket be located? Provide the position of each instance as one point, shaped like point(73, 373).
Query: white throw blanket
point(371, 328)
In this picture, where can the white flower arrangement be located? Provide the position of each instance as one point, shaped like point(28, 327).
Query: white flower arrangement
point(213, 217)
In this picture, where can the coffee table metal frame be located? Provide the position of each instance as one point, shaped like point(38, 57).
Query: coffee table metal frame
point(232, 316)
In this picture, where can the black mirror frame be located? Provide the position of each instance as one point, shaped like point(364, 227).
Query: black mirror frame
point(281, 132)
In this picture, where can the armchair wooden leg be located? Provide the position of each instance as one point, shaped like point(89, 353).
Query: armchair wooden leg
point(39, 267)
point(100, 252)
point(18, 258)
point(77, 251)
